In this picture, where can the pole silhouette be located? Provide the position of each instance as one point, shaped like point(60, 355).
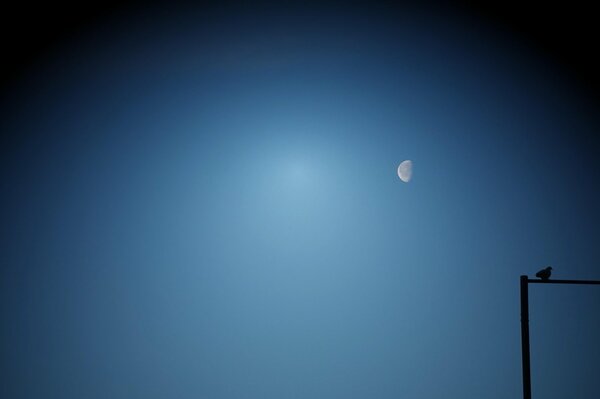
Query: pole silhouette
point(525, 352)
point(525, 338)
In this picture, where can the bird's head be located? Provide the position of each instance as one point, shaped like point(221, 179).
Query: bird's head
point(549, 268)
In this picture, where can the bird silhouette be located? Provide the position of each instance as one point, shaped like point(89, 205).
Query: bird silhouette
point(544, 274)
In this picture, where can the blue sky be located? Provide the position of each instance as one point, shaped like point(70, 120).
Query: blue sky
point(204, 203)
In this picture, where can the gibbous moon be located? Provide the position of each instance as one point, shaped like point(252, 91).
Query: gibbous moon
point(405, 171)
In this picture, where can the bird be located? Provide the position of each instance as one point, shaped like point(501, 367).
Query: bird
point(545, 273)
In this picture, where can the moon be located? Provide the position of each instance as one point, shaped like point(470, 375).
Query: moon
point(405, 171)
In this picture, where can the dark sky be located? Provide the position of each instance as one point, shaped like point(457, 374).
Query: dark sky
point(202, 201)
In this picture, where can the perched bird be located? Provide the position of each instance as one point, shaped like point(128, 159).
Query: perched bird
point(544, 274)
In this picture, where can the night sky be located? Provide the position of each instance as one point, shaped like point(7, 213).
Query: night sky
point(202, 201)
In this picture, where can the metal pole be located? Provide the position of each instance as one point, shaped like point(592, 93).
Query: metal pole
point(586, 282)
point(525, 324)
point(525, 338)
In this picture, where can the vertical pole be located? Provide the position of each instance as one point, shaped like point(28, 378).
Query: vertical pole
point(525, 338)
